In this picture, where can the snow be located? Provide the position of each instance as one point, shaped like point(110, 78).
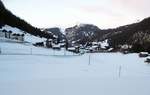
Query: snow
point(56, 46)
point(9, 47)
point(13, 29)
point(33, 39)
point(28, 38)
point(9, 40)
point(49, 74)
point(71, 48)
point(144, 53)
point(62, 30)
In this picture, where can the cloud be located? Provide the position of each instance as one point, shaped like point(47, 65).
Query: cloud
point(138, 7)
point(105, 13)
point(101, 10)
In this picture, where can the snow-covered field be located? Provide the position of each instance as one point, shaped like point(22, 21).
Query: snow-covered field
point(13, 47)
point(107, 73)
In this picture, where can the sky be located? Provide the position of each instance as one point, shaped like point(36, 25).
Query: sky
point(67, 13)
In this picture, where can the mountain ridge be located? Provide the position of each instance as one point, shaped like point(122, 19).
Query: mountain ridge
point(8, 18)
point(135, 34)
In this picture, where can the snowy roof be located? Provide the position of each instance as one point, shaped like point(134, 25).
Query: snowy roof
point(58, 45)
point(71, 48)
point(143, 52)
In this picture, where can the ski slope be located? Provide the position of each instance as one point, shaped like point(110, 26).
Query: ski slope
point(46, 73)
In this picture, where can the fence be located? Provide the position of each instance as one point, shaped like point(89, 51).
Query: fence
point(36, 51)
point(50, 52)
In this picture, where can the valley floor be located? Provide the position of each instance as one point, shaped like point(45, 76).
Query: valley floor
point(107, 74)
point(29, 70)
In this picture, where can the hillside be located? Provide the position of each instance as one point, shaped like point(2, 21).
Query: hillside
point(136, 35)
point(82, 33)
point(8, 18)
point(57, 33)
point(27, 38)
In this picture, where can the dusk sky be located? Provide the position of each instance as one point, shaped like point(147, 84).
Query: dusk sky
point(66, 13)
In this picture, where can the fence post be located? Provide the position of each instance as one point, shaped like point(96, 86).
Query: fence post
point(53, 52)
point(89, 59)
point(119, 73)
point(64, 52)
point(0, 50)
point(31, 51)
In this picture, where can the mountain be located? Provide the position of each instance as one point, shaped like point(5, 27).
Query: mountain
point(8, 18)
point(82, 33)
point(56, 32)
point(136, 35)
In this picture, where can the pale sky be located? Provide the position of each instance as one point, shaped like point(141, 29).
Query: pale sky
point(67, 13)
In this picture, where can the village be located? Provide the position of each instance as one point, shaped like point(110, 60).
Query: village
point(56, 44)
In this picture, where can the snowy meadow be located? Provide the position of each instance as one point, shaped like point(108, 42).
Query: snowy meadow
point(74, 47)
point(88, 74)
